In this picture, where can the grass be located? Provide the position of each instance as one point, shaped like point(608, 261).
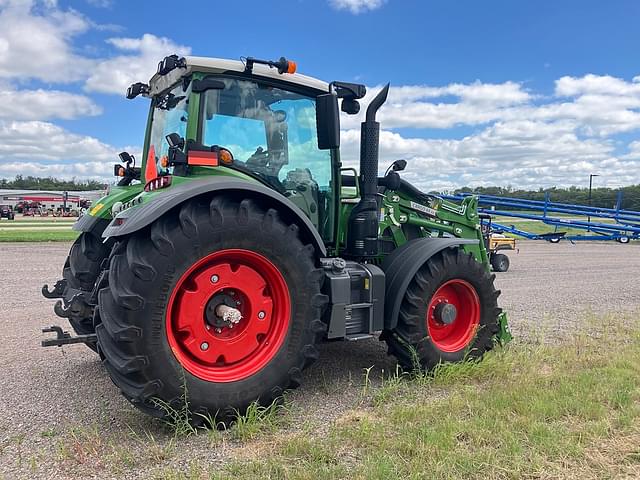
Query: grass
point(533, 226)
point(24, 235)
point(528, 411)
point(255, 420)
point(36, 225)
point(36, 230)
point(539, 227)
point(89, 448)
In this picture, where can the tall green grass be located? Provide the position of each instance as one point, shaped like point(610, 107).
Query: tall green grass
point(527, 411)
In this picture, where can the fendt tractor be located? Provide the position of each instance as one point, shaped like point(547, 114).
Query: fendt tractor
point(214, 267)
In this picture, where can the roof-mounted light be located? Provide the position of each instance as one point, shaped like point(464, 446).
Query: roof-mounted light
point(137, 89)
point(171, 63)
point(283, 65)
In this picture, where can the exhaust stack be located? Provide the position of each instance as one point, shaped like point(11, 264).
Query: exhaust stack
point(362, 235)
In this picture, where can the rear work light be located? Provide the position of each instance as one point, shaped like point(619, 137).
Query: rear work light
point(158, 183)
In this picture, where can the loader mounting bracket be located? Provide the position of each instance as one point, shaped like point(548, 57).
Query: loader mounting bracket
point(65, 338)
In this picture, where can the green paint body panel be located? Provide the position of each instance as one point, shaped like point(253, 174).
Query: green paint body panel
point(437, 217)
point(116, 194)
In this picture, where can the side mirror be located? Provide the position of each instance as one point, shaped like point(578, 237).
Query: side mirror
point(170, 63)
point(175, 156)
point(126, 158)
point(175, 141)
point(327, 121)
point(399, 165)
point(137, 89)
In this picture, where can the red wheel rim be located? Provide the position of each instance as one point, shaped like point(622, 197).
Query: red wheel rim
point(228, 354)
point(458, 334)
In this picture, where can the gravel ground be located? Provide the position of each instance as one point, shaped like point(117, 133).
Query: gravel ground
point(61, 417)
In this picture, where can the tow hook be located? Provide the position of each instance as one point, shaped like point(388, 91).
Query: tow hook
point(77, 306)
point(58, 289)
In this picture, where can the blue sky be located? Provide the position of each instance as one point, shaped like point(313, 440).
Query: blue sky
point(483, 92)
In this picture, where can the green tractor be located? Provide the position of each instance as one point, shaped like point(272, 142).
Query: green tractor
point(216, 267)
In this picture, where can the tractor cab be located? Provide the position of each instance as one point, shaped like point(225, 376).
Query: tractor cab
point(251, 119)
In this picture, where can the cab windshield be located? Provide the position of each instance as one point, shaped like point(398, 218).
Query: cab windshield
point(272, 135)
point(170, 115)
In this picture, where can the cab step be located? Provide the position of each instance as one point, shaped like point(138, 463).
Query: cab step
point(358, 336)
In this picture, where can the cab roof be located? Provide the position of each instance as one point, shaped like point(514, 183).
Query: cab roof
point(159, 83)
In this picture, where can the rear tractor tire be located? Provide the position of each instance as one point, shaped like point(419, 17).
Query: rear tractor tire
point(449, 313)
point(81, 270)
point(216, 305)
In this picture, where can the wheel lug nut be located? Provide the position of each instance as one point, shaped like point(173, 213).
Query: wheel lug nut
point(261, 314)
point(218, 330)
point(214, 278)
point(204, 346)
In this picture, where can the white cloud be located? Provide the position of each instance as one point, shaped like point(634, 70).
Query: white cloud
point(356, 6)
point(35, 41)
point(35, 140)
point(85, 170)
point(500, 94)
point(44, 104)
point(529, 154)
point(600, 105)
point(597, 84)
point(115, 74)
point(44, 149)
point(477, 103)
point(519, 138)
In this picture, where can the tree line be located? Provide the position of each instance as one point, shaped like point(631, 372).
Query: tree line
point(49, 183)
point(600, 197)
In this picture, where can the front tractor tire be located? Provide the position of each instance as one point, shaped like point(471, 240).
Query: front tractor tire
point(449, 313)
point(217, 304)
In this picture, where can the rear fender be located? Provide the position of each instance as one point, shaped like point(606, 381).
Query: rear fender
point(402, 264)
point(100, 212)
point(134, 219)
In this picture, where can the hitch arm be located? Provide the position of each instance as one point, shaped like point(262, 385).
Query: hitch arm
point(65, 338)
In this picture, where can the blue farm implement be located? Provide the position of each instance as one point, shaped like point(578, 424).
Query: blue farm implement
point(612, 223)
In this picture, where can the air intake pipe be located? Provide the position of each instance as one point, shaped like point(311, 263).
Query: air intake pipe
point(362, 235)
